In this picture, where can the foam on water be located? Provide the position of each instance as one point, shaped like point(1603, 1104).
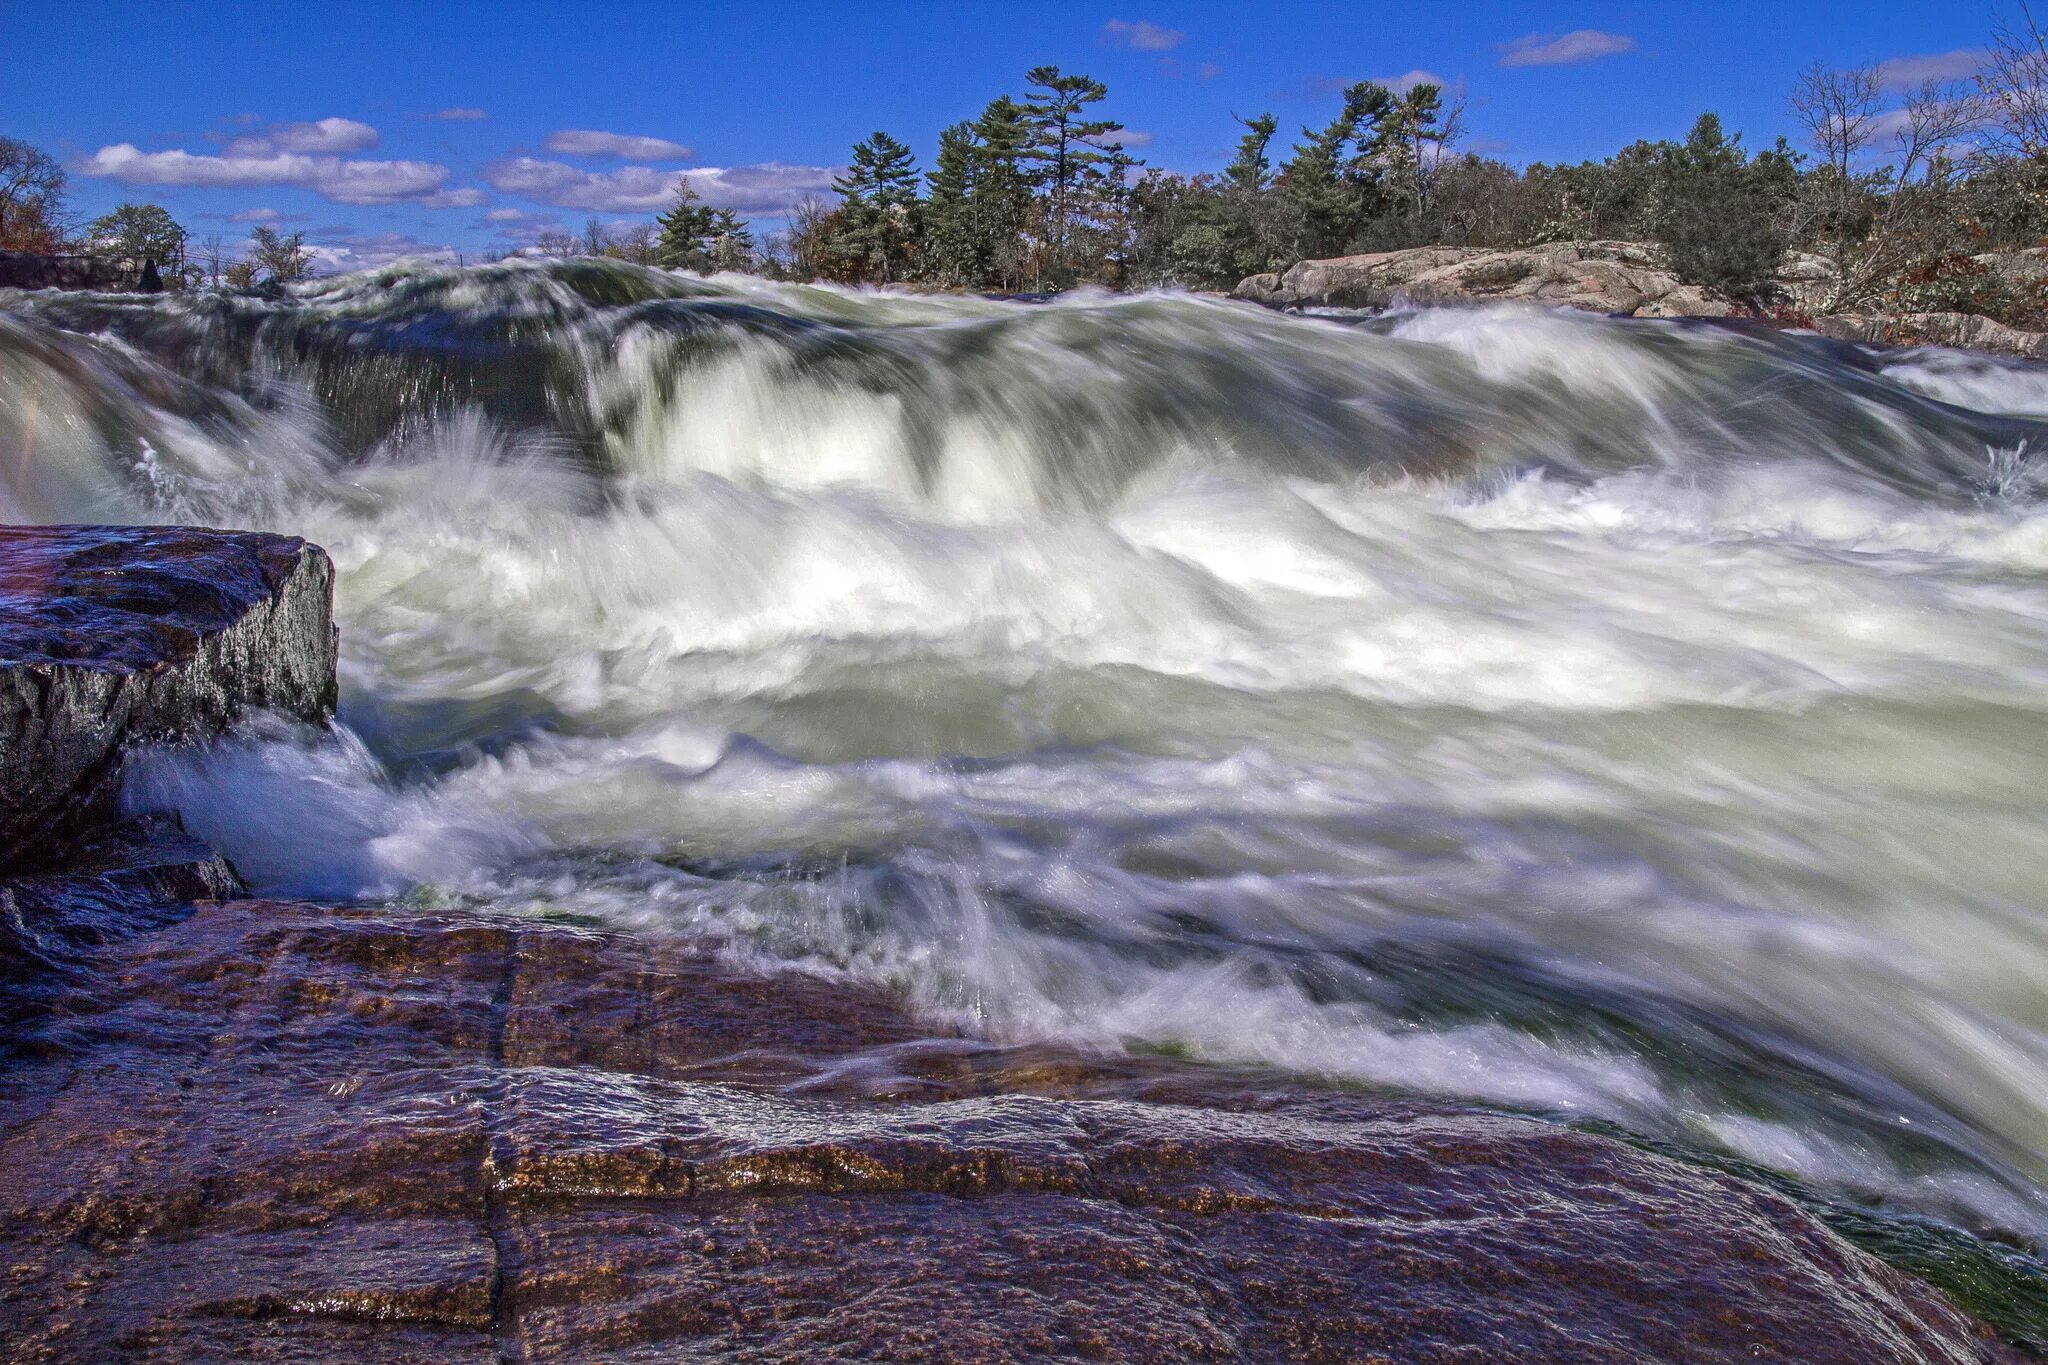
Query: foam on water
point(1604, 719)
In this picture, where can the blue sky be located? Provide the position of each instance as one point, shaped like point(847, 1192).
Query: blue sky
point(384, 128)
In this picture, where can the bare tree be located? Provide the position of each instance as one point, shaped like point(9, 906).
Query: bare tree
point(281, 258)
point(634, 242)
point(2014, 83)
point(1872, 221)
point(806, 236)
point(31, 198)
point(213, 257)
point(555, 242)
point(596, 241)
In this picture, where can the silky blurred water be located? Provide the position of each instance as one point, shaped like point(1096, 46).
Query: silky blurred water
point(1610, 720)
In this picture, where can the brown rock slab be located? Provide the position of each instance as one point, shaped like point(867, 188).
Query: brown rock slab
point(284, 1132)
point(117, 635)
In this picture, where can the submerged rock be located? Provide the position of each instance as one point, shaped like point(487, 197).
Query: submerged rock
point(112, 636)
point(288, 1132)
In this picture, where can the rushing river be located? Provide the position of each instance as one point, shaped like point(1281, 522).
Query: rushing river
point(1615, 721)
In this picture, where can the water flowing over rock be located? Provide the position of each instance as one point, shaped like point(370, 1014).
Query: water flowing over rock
point(116, 636)
point(287, 1132)
point(809, 723)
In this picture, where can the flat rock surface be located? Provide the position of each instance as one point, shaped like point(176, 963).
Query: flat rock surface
point(113, 635)
point(274, 1131)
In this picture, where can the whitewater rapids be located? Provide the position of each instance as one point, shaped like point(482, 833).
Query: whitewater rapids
point(1615, 721)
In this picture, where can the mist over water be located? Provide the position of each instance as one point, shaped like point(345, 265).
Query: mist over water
point(1604, 719)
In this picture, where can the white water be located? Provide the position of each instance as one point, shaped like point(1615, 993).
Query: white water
point(1602, 719)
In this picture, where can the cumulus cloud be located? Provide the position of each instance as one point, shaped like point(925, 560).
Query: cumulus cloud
point(343, 181)
point(589, 142)
point(1408, 80)
point(459, 115)
point(326, 136)
point(1208, 71)
point(345, 252)
point(771, 187)
point(1564, 49)
point(1141, 35)
point(260, 216)
point(1906, 72)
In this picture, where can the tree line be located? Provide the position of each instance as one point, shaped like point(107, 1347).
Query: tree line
point(1895, 194)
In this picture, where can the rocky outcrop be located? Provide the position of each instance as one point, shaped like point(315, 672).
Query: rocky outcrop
point(1965, 330)
point(113, 636)
point(1625, 278)
point(27, 270)
point(283, 1132)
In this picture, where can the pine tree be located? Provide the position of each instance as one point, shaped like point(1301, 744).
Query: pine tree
point(1069, 149)
point(1714, 213)
point(1000, 198)
point(731, 242)
point(878, 208)
point(952, 251)
point(1249, 171)
point(688, 230)
point(1331, 183)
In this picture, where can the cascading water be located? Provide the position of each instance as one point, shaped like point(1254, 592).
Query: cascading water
point(1612, 720)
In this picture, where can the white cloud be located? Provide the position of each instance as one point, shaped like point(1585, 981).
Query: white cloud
point(506, 216)
point(1935, 66)
point(345, 182)
point(1408, 80)
point(256, 216)
point(367, 252)
point(468, 197)
point(1126, 137)
point(1208, 71)
point(1141, 35)
point(769, 188)
point(459, 115)
point(588, 142)
point(1568, 49)
point(327, 136)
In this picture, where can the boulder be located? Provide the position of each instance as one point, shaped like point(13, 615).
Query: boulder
point(1625, 278)
point(114, 636)
point(287, 1132)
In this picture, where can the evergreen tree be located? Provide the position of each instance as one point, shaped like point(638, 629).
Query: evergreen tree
point(686, 232)
point(1715, 214)
point(878, 208)
point(1069, 148)
point(1249, 171)
point(1408, 139)
point(952, 249)
point(999, 201)
point(1331, 183)
point(731, 242)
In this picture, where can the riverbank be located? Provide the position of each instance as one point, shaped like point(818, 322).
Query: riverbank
point(1632, 279)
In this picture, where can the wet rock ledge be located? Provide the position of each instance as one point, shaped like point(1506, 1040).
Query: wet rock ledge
point(114, 636)
point(234, 1129)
